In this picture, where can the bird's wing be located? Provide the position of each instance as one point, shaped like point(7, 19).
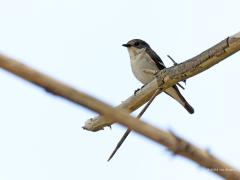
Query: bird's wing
point(157, 60)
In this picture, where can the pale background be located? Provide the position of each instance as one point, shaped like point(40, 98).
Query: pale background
point(79, 42)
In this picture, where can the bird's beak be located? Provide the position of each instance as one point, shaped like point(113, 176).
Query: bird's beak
point(126, 45)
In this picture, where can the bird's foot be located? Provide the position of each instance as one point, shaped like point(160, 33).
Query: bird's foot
point(143, 86)
point(135, 92)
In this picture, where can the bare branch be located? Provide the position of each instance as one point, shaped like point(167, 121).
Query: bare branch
point(170, 76)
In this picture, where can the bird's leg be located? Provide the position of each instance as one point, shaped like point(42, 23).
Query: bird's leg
point(135, 92)
point(147, 71)
point(143, 86)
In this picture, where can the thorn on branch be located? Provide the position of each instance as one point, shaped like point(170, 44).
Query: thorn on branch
point(175, 63)
point(227, 40)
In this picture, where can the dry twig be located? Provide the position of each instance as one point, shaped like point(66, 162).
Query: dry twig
point(125, 135)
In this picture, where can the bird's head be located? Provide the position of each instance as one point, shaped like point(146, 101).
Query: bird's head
point(135, 46)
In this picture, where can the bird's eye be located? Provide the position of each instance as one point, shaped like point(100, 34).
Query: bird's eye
point(136, 43)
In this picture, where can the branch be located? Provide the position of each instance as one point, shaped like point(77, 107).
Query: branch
point(172, 142)
point(170, 76)
point(125, 135)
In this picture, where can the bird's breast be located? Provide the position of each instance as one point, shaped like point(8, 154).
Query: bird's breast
point(139, 64)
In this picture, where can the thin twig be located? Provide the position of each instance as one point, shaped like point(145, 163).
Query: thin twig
point(180, 86)
point(129, 130)
point(175, 63)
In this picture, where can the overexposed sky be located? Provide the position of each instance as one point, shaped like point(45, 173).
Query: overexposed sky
point(79, 42)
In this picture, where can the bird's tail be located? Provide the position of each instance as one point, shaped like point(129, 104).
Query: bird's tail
point(175, 94)
point(188, 107)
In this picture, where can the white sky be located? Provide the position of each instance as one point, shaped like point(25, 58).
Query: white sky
point(79, 42)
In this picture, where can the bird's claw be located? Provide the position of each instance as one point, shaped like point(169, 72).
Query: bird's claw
point(135, 92)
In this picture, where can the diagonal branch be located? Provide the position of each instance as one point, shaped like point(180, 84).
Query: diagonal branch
point(125, 135)
point(172, 142)
point(170, 76)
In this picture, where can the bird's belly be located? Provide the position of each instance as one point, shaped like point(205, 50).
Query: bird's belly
point(138, 68)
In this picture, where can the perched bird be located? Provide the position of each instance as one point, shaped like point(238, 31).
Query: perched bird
point(146, 63)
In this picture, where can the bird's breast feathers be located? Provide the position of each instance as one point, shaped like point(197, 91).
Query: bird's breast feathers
point(142, 65)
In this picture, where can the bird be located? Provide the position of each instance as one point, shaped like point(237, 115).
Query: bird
point(145, 64)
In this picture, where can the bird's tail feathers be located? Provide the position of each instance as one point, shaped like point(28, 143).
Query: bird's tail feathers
point(175, 94)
